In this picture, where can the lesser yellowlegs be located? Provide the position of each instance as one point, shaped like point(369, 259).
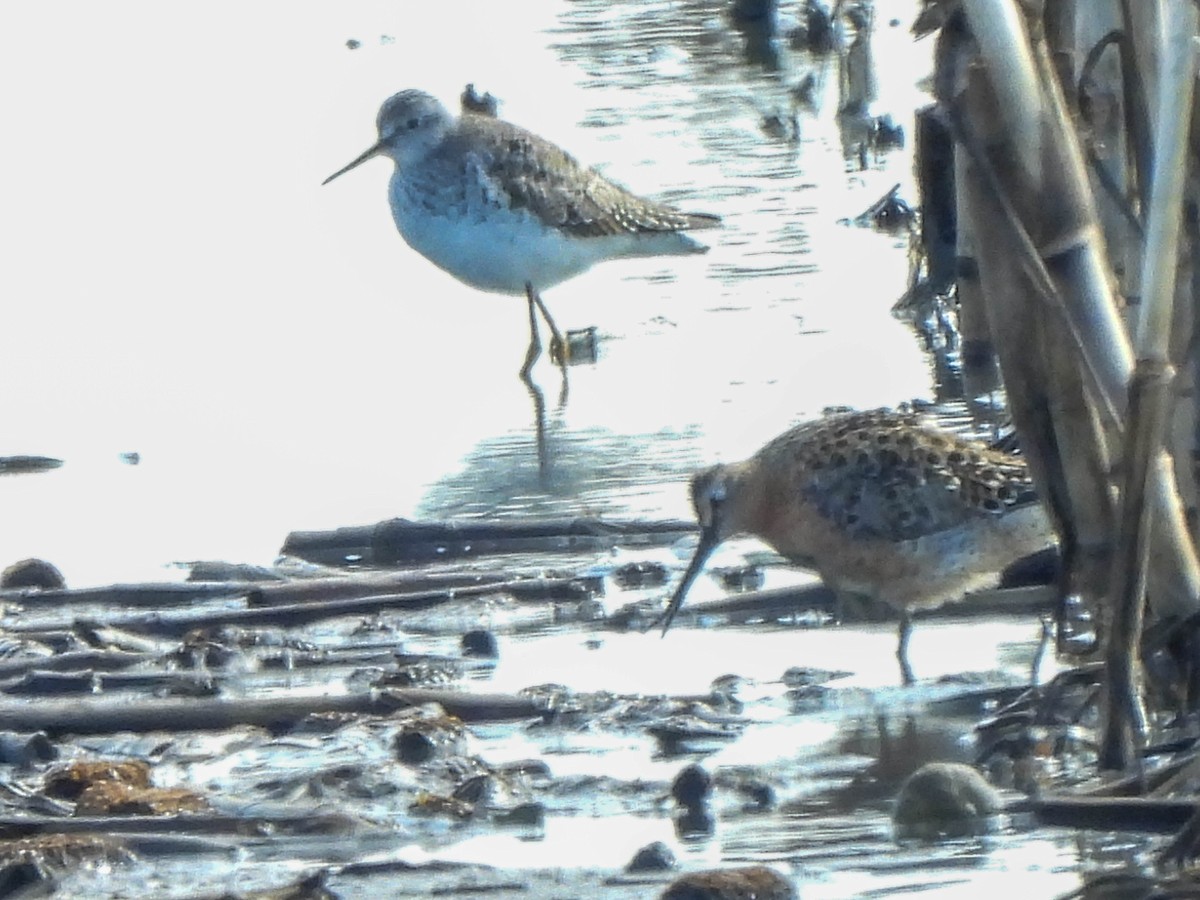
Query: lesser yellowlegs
point(879, 504)
point(504, 210)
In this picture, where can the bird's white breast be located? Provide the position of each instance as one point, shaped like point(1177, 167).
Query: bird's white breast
point(466, 227)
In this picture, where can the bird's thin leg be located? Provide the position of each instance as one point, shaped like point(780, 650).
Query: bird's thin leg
point(558, 349)
point(906, 672)
point(535, 342)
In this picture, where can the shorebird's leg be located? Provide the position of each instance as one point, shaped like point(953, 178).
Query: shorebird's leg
point(558, 348)
point(535, 342)
point(906, 672)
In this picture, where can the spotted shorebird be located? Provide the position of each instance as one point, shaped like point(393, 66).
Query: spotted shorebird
point(506, 211)
point(879, 505)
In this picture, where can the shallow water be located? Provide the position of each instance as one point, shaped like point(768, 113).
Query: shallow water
point(179, 285)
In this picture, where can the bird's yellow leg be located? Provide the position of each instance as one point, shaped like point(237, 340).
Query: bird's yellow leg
point(535, 342)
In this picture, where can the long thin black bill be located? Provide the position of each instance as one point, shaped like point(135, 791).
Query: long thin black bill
point(708, 542)
point(373, 151)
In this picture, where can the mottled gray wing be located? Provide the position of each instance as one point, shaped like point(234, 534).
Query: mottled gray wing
point(535, 174)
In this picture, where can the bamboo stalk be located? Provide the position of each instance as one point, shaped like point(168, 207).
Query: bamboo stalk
point(1065, 266)
point(1095, 64)
point(1150, 387)
point(980, 370)
point(1047, 395)
point(1000, 32)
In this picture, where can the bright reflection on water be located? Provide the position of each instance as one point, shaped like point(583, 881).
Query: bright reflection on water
point(178, 284)
point(181, 286)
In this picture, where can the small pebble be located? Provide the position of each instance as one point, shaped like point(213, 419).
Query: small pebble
point(759, 793)
point(749, 883)
point(643, 574)
point(32, 573)
point(525, 814)
point(691, 786)
point(945, 799)
point(727, 685)
point(18, 749)
point(480, 643)
point(536, 769)
point(590, 610)
point(475, 790)
point(414, 747)
point(741, 578)
point(656, 857)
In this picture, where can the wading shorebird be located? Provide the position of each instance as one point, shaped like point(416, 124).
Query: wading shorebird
point(878, 504)
point(506, 211)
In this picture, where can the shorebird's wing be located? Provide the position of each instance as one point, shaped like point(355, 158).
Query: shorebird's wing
point(885, 475)
point(534, 174)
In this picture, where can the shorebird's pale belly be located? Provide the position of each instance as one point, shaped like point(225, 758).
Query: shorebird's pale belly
point(497, 249)
point(938, 568)
point(496, 254)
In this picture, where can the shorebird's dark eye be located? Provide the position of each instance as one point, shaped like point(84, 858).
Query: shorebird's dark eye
point(412, 123)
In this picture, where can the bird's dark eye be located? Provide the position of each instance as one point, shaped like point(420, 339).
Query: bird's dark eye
point(412, 123)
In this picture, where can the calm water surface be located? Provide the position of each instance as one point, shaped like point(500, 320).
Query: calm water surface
point(179, 285)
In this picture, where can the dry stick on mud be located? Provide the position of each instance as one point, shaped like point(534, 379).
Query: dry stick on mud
point(129, 595)
point(78, 716)
point(1109, 813)
point(307, 823)
point(398, 541)
point(177, 625)
point(77, 660)
point(168, 595)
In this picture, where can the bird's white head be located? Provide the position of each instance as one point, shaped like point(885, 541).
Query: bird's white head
point(410, 124)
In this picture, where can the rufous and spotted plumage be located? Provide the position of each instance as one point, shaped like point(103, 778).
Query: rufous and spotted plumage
point(878, 504)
